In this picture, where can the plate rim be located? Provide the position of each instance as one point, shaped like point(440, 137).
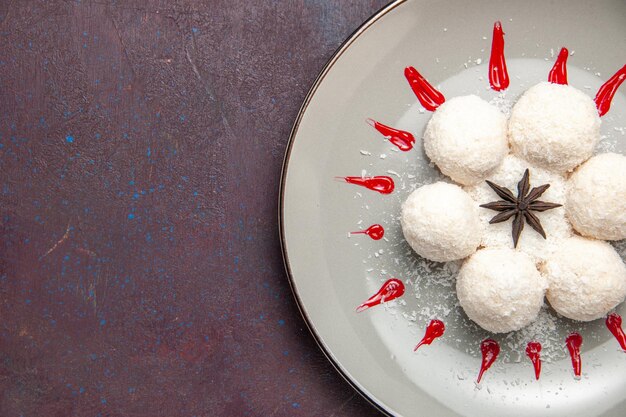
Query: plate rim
point(281, 195)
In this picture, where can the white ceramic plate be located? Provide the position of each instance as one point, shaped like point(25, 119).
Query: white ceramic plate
point(331, 273)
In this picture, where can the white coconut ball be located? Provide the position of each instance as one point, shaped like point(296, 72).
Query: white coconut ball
point(440, 222)
point(500, 289)
point(596, 197)
point(466, 138)
point(554, 126)
point(554, 222)
point(586, 279)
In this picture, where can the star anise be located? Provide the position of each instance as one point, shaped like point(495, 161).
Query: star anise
point(521, 206)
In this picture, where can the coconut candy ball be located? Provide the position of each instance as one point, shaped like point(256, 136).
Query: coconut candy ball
point(553, 221)
point(596, 197)
point(466, 138)
point(500, 289)
point(440, 222)
point(586, 279)
point(554, 126)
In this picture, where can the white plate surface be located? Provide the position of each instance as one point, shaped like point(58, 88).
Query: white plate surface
point(331, 273)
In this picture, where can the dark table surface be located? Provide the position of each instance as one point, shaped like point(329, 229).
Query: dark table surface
point(141, 145)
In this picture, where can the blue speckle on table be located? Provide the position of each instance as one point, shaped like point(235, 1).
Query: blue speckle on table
point(69, 139)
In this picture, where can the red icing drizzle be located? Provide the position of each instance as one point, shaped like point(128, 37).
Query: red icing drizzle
point(375, 231)
point(558, 73)
point(573, 342)
point(490, 350)
point(607, 91)
point(614, 323)
point(383, 184)
point(390, 290)
point(434, 330)
point(402, 139)
point(428, 95)
point(533, 350)
point(498, 74)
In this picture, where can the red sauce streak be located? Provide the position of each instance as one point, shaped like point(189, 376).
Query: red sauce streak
point(402, 139)
point(490, 350)
point(375, 231)
point(558, 73)
point(390, 290)
point(573, 342)
point(498, 74)
point(381, 184)
point(434, 330)
point(614, 323)
point(533, 350)
point(428, 95)
point(607, 91)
